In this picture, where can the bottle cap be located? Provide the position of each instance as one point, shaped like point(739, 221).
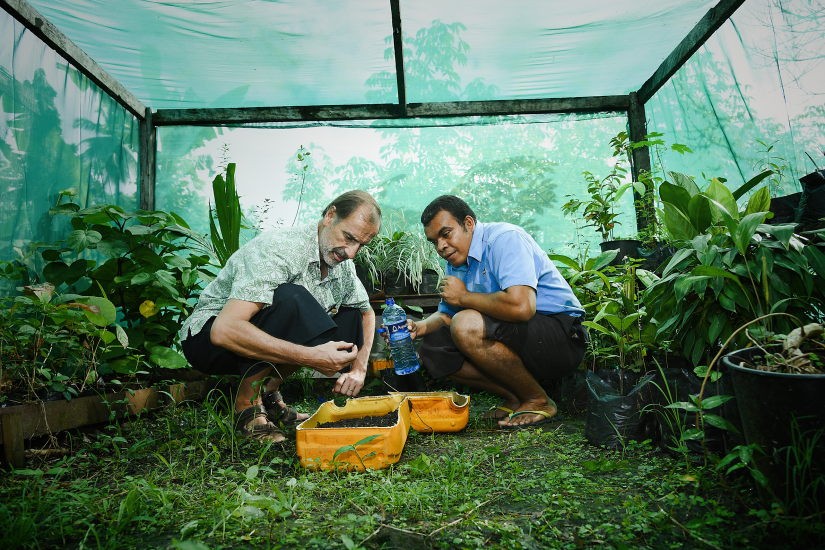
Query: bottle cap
point(381, 330)
point(389, 301)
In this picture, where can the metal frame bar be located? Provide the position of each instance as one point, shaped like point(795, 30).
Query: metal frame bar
point(48, 33)
point(700, 34)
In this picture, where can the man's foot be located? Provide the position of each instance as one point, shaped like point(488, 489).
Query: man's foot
point(549, 408)
point(253, 422)
point(279, 411)
point(501, 411)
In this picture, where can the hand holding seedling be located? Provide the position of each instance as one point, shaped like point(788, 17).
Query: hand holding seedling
point(350, 383)
point(331, 357)
point(452, 289)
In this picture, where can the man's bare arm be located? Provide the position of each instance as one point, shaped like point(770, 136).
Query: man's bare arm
point(514, 304)
point(232, 330)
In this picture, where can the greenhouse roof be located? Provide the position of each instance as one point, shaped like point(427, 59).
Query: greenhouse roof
point(196, 54)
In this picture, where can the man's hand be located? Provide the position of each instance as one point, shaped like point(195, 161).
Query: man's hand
point(350, 383)
point(416, 330)
point(331, 357)
point(452, 289)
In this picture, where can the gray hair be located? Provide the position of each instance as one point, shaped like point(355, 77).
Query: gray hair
point(351, 201)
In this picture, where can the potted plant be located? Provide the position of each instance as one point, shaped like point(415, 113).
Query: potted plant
point(418, 260)
point(778, 384)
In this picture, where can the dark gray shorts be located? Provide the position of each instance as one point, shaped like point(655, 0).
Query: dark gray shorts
point(551, 346)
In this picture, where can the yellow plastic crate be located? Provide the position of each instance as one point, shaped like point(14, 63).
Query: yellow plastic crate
point(440, 411)
point(317, 446)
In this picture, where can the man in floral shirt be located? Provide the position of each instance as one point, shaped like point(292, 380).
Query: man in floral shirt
point(288, 298)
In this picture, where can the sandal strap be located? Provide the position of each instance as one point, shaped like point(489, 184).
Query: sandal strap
point(241, 420)
point(272, 403)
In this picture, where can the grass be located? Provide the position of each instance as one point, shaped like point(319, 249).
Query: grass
point(181, 479)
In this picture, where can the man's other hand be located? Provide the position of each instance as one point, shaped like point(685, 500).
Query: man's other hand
point(333, 356)
point(452, 289)
point(350, 383)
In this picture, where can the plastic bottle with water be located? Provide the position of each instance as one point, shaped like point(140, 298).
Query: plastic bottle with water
point(401, 344)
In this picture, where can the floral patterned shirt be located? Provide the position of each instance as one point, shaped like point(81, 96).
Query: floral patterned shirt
point(269, 260)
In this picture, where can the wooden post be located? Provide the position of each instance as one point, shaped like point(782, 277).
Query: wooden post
point(13, 439)
point(147, 161)
point(640, 160)
point(398, 46)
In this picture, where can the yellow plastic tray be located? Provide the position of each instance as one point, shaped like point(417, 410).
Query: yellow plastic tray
point(440, 411)
point(317, 446)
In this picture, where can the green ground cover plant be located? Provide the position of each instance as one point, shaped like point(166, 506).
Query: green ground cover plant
point(181, 479)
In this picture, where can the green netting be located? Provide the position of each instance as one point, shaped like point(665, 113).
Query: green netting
point(513, 171)
point(758, 83)
point(232, 53)
point(57, 131)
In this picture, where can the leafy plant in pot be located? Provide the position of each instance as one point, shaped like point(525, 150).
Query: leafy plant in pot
point(779, 382)
point(418, 260)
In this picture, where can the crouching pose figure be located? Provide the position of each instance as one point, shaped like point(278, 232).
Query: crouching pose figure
point(506, 317)
point(288, 298)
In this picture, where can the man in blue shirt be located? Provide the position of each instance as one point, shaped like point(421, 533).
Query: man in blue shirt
point(506, 318)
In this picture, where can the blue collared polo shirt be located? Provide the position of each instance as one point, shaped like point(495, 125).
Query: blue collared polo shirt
point(504, 255)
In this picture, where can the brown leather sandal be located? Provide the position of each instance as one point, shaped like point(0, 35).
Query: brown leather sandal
point(244, 422)
point(284, 414)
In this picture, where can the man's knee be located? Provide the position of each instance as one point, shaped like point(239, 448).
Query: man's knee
point(467, 326)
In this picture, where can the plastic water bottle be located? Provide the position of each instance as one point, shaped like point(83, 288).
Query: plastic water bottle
point(401, 344)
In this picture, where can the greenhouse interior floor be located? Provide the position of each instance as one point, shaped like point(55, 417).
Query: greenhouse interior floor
point(180, 479)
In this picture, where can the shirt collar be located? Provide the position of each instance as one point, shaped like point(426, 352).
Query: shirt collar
point(477, 245)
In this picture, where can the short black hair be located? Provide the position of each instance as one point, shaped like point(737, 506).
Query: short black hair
point(452, 204)
point(347, 203)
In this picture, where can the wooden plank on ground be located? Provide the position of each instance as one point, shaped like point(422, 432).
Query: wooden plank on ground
point(12, 424)
point(51, 35)
point(703, 30)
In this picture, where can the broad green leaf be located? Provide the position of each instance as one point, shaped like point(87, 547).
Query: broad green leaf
point(55, 272)
point(759, 202)
point(717, 323)
point(80, 240)
point(675, 195)
point(685, 183)
point(702, 370)
point(176, 261)
point(710, 271)
point(815, 258)
point(594, 326)
point(603, 260)
point(681, 255)
point(569, 262)
point(678, 225)
point(719, 422)
point(701, 216)
point(746, 230)
point(366, 440)
point(167, 357)
point(722, 195)
point(142, 278)
point(147, 257)
point(107, 337)
point(189, 277)
point(684, 405)
point(69, 208)
point(693, 434)
point(782, 232)
point(124, 365)
point(251, 473)
point(739, 193)
point(113, 246)
point(121, 336)
point(714, 401)
point(107, 314)
point(648, 278)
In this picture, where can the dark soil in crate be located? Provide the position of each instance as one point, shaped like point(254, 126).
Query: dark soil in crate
point(384, 421)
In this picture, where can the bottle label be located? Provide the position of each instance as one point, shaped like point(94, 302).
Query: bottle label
point(397, 331)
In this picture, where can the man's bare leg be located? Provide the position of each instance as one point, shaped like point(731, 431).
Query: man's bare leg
point(279, 374)
point(250, 391)
point(469, 375)
point(500, 365)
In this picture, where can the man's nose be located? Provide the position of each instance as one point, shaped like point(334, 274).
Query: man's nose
point(352, 250)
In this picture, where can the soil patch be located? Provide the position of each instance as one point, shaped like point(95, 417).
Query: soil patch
point(384, 421)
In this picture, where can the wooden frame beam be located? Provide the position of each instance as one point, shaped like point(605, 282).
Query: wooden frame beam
point(703, 30)
point(48, 33)
point(202, 117)
point(639, 158)
point(147, 153)
point(398, 47)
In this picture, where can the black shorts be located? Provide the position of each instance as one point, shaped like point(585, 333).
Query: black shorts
point(294, 316)
point(550, 346)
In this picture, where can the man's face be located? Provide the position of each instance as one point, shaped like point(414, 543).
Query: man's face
point(339, 239)
point(450, 238)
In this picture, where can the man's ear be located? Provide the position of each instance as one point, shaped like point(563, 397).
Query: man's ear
point(329, 216)
point(469, 223)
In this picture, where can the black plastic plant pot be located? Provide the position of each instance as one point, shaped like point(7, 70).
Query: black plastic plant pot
point(429, 282)
point(769, 404)
point(395, 284)
point(630, 248)
point(364, 277)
